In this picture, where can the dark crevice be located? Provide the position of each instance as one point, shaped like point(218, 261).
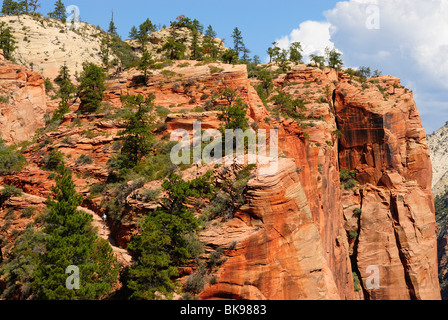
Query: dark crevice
point(394, 213)
point(354, 256)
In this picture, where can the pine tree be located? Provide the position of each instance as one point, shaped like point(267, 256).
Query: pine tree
point(65, 92)
point(295, 52)
point(59, 11)
point(7, 41)
point(163, 243)
point(137, 138)
point(133, 34)
point(145, 63)
point(11, 7)
point(174, 47)
point(333, 58)
point(196, 50)
point(25, 6)
point(246, 52)
point(91, 87)
point(238, 44)
point(229, 56)
point(112, 28)
point(146, 27)
point(209, 43)
point(105, 45)
point(71, 241)
point(318, 60)
point(274, 52)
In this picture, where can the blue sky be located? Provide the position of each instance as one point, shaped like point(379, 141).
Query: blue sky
point(261, 21)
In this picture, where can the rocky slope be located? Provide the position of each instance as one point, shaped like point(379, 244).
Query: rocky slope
point(23, 102)
point(303, 232)
point(45, 44)
point(158, 38)
point(438, 148)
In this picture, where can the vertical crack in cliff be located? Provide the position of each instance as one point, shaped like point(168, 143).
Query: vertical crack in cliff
point(404, 261)
point(354, 256)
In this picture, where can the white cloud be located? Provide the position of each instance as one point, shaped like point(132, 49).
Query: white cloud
point(313, 35)
point(412, 36)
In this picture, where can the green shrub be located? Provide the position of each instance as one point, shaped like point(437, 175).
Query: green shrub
point(356, 282)
point(53, 160)
point(10, 159)
point(8, 192)
point(97, 188)
point(28, 212)
point(353, 235)
point(162, 111)
point(195, 283)
point(347, 178)
point(149, 195)
point(84, 159)
point(4, 99)
point(92, 87)
point(214, 69)
point(215, 259)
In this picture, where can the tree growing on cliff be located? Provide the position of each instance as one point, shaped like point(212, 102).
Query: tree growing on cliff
point(10, 159)
point(229, 56)
point(333, 58)
point(295, 52)
point(234, 114)
point(91, 87)
point(273, 52)
point(137, 138)
point(196, 49)
point(264, 88)
point(145, 63)
point(11, 7)
point(318, 60)
point(238, 43)
point(65, 92)
point(174, 47)
point(34, 5)
point(59, 11)
point(112, 28)
point(209, 43)
point(71, 241)
point(133, 34)
point(7, 41)
point(142, 33)
point(166, 240)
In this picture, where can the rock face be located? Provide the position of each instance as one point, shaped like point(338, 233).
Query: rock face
point(281, 255)
point(383, 140)
point(23, 102)
point(376, 240)
point(304, 232)
point(45, 44)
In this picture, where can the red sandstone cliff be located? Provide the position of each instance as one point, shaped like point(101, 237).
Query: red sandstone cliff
point(23, 103)
point(298, 236)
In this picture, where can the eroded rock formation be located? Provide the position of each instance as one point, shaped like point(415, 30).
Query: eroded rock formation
point(23, 102)
point(302, 234)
